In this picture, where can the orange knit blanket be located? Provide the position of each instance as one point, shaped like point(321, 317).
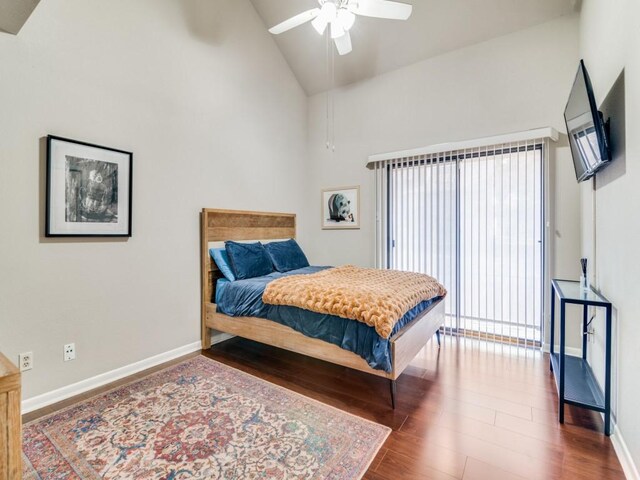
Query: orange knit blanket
point(378, 298)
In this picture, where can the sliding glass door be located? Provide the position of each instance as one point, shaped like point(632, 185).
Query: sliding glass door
point(474, 220)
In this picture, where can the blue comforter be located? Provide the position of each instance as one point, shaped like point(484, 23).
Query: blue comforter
point(243, 298)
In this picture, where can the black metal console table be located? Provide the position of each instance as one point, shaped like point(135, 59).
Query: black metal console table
point(575, 380)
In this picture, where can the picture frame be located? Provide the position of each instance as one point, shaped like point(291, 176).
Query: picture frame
point(89, 190)
point(341, 208)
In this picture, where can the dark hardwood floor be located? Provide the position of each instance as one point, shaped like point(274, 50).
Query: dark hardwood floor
point(469, 410)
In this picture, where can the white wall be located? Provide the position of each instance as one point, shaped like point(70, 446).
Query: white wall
point(199, 92)
point(512, 83)
point(609, 44)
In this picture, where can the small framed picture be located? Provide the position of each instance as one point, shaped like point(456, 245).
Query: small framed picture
point(341, 208)
point(88, 190)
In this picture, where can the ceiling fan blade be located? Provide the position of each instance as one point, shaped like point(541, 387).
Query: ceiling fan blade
point(320, 24)
point(295, 21)
point(381, 9)
point(343, 44)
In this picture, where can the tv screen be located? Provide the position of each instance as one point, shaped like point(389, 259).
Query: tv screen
point(585, 128)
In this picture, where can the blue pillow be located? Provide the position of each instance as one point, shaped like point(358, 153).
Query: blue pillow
point(221, 258)
point(248, 260)
point(286, 255)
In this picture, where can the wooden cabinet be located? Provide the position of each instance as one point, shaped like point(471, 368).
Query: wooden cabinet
point(10, 421)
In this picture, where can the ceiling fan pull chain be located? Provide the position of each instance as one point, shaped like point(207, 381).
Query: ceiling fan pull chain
point(333, 103)
point(327, 141)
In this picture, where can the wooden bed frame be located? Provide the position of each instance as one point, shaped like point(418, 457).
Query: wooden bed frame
point(221, 225)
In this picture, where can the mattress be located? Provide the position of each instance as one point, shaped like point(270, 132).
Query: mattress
point(243, 298)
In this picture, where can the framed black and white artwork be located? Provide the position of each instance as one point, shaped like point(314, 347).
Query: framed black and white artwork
point(341, 208)
point(88, 190)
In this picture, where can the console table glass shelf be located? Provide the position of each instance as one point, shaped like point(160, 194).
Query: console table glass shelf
point(574, 377)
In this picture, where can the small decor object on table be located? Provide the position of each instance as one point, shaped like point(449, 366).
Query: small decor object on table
point(584, 279)
point(341, 208)
point(88, 190)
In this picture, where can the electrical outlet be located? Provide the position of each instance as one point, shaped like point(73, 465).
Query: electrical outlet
point(25, 361)
point(69, 352)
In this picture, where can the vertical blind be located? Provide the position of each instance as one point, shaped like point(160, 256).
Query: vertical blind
point(472, 218)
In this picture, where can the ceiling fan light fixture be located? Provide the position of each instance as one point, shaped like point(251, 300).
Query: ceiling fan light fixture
point(343, 44)
point(346, 19)
point(328, 11)
point(320, 24)
point(336, 30)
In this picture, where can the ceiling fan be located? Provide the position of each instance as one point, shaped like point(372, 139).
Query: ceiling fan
point(340, 15)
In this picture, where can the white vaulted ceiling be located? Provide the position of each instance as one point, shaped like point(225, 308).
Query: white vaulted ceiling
point(14, 14)
point(435, 27)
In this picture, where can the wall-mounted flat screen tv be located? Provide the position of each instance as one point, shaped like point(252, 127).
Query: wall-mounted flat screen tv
point(586, 128)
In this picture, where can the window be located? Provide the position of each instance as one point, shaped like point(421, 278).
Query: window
point(472, 218)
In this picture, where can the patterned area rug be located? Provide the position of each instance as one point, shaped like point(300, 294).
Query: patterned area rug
point(200, 420)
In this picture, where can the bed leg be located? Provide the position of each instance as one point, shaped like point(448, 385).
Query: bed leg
point(392, 387)
point(438, 337)
point(206, 338)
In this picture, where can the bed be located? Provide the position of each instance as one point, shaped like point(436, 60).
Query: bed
point(408, 338)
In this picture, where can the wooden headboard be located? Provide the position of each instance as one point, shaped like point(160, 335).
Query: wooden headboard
point(221, 225)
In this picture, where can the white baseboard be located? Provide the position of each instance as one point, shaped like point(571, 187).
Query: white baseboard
point(624, 455)
point(49, 398)
point(573, 351)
